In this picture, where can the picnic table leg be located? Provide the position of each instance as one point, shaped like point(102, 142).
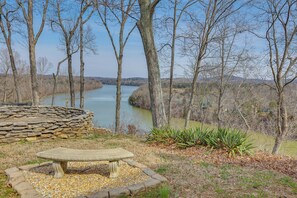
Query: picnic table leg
point(64, 166)
point(58, 167)
point(114, 169)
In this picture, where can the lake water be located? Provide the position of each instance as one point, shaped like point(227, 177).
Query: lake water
point(102, 103)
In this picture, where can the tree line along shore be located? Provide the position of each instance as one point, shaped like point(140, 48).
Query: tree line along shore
point(7, 93)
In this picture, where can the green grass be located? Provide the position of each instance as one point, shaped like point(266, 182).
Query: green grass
point(162, 191)
point(5, 192)
point(162, 169)
point(2, 155)
point(36, 161)
point(204, 164)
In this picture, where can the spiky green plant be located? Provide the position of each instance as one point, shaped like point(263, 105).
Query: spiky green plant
point(233, 141)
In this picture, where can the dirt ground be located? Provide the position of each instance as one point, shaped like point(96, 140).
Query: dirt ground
point(196, 172)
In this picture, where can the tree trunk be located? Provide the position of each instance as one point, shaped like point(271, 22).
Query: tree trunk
point(145, 27)
point(82, 66)
point(70, 77)
point(54, 89)
point(277, 144)
point(172, 64)
point(14, 72)
point(32, 57)
point(4, 100)
point(118, 96)
point(219, 121)
point(282, 123)
point(193, 92)
point(33, 73)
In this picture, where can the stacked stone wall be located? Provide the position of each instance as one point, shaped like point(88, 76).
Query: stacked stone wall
point(29, 123)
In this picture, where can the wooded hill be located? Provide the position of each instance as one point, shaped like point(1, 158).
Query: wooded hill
point(46, 83)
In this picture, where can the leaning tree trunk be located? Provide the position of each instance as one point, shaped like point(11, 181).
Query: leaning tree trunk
point(70, 77)
point(145, 27)
point(282, 123)
point(193, 93)
point(55, 77)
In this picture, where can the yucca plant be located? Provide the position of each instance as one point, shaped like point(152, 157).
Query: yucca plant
point(234, 141)
point(186, 138)
point(159, 135)
point(202, 136)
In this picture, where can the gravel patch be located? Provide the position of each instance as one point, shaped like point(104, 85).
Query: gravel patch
point(81, 178)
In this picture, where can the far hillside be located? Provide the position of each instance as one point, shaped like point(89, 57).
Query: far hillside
point(46, 83)
point(246, 105)
point(178, 82)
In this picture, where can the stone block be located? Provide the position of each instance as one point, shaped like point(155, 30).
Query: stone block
point(15, 181)
point(3, 132)
point(20, 124)
point(134, 163)
point(63, 136)
point(101, 194)
point(11, 170)
point(28, 167)
point(148, 171)
point(159, 177)
point(5, 124)
point(31, 193)
point(23, 186)
point(117, 192)
point(151, 183)
point(31, 139)
point(15, 175)
point(5, 128)
point(135, 188)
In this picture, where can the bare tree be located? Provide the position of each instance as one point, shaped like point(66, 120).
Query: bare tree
point(231, 57)
point(172, 23)
point(8, 15)
point(201, 34)
point(66, 21)
point(145, 27)
point(86, 40)
point(281, 37)
point(27, 7)
point(120, 13)
point(43, 65)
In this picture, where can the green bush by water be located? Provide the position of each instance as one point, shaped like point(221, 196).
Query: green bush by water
point(233, 141)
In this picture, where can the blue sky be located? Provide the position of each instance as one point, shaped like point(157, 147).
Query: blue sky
point(101, 64)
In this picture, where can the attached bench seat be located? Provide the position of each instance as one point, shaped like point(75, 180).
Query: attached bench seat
point(61, 156)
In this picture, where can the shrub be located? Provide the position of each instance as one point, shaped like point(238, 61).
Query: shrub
point(233, 141)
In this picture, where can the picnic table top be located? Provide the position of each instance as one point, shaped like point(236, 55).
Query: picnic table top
point(67, 154)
